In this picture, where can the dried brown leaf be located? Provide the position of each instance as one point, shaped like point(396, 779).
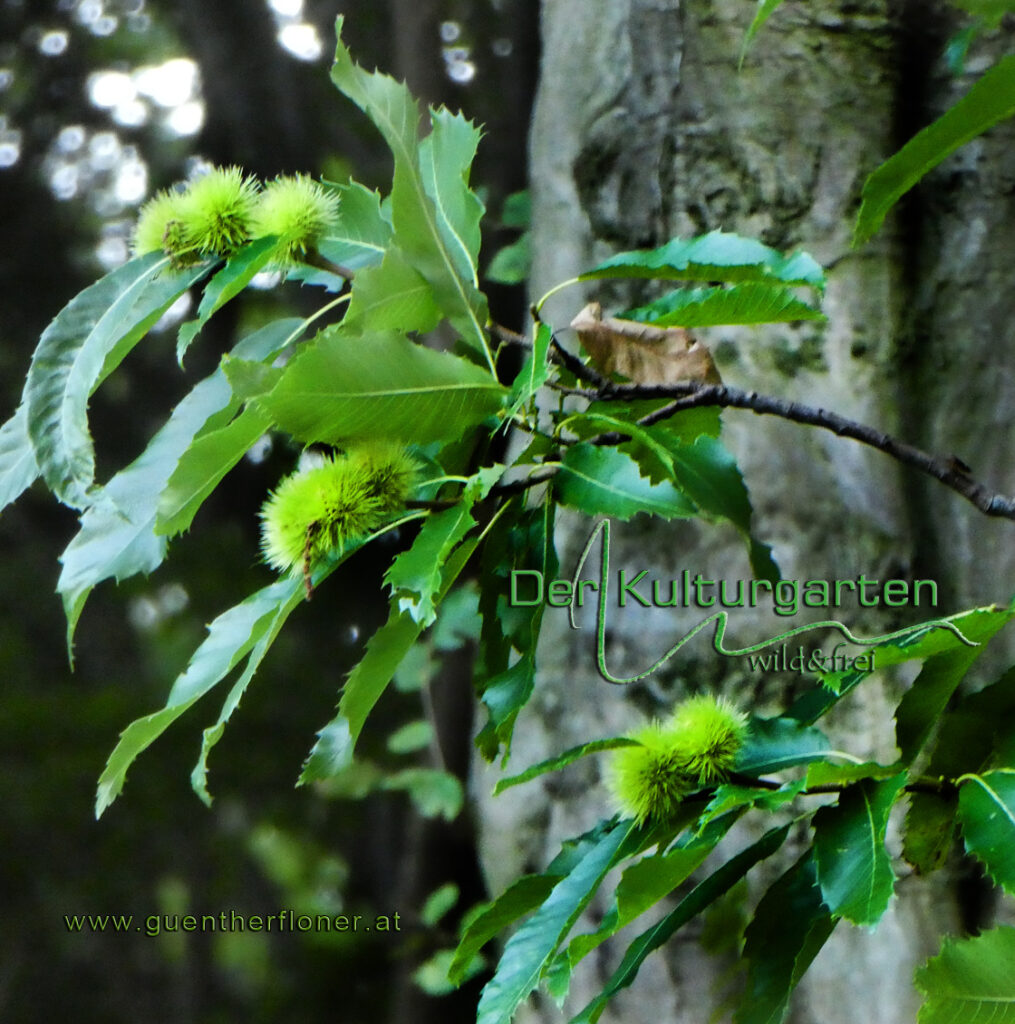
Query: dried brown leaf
point(643, 354)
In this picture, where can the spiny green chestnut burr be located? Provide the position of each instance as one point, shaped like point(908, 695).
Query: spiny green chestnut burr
point(712, 731)
point(648, 781)
point(212, 217)
point(316, 510)
point(299, 211)
point(217, 211)
point(697, 746)
point(159, 224)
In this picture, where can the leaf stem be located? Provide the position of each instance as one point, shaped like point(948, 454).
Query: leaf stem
point(537, 308)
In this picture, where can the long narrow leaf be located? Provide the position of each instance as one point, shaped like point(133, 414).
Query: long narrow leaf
point(230, 637)
point(18, 468)
point(990, 100)
point(118, 537)
point(529, 950)
point(436, 227)
point(78, 350)
point(717, 256)
point(702, 896)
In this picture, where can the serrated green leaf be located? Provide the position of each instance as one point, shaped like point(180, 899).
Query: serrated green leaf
point(717, 256)
point(530, 948)
point(641, 887)
point(230, 638)
point(655, 462)
point(522, 540)
point(86, 341)
point(990, 100)
point(987, 817)
point(445, 157)
point(790, 926)
point(203, 466)
point(345, 388)
point(854, 868)
point(117, 538)
point(520, 898)
point(554, 764)
point(708, 474)
point(924, 702)
point(434, 214)
point(686, 426)
point(972, 733)
point(361, 234)
point(599, 480)
point(971, 980)
point(237, 273)
point(220, 444)
point(18, 468)
point(211, 735)
point(415, 576)
point(774, 744)
point(392, 296)
point(750, 303)
point(534, 371)
point(702, 896)
point(766, 8)
point(966, 742)
point(385, 651)
point(924, 641)
point(731, 797)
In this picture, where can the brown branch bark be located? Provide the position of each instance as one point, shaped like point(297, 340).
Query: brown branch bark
point(949, 471)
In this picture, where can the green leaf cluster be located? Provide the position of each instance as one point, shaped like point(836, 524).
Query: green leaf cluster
point(390, 270)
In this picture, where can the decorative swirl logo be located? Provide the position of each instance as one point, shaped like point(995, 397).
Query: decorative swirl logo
point(720, 619)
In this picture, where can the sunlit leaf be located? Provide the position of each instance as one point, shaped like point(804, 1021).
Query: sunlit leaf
point(530, 948)
point(433, 212)
point(238, 272)
point(18, 468)
point(599, 480)
point(230, 638)
point(117, 538)
point(84, 343)
point(344, 388)
point(717, 256)
point(751, 303)
point(970, 980)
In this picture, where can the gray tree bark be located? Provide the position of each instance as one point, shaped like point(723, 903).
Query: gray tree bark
point(644, 130)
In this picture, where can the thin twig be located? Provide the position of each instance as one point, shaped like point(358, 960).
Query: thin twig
point(691, 395)
point(560, 355)
point(314, 259)
point(936, 787)
point(519, 486)
point(505, 334)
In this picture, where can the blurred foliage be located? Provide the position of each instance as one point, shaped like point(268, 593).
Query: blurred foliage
point(88, 130)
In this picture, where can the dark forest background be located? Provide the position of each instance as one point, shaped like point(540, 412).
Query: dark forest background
point(86, 134)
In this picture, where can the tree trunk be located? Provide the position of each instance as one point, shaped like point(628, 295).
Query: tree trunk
point(644, 130)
